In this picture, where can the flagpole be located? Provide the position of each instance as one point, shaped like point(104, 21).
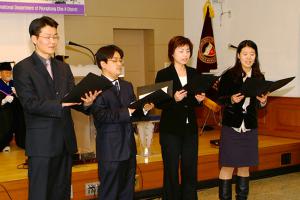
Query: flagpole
point(211, 10)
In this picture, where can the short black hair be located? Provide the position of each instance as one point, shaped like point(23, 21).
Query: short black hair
point(37, 24)
point(107, 52)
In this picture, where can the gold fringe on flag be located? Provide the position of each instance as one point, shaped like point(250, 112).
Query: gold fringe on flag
point(211, 10)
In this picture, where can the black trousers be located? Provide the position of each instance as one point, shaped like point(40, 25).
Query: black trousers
point(180, 150)
point(117, 179)
point(50, 177)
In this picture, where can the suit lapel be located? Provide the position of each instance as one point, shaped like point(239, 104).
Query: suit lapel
point(176, 81)
point(189, 74)
point(113, 91)
point(57, 76)
point(124, 97)
point(122, 94)
point(40, 67)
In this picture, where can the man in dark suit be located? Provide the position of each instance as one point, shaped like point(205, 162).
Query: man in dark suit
point(41, 82)
point(115, 143)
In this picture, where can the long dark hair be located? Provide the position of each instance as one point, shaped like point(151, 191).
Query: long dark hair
point(238, 69)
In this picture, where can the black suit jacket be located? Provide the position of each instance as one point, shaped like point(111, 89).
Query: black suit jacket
point(115, 137)
point(233, 114)
point(49, 127)
point(174, 115)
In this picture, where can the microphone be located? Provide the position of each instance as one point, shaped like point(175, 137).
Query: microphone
point(79, 45)
point(232, 46)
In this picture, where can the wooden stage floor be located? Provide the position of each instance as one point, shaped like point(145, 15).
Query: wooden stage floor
point(274, 152)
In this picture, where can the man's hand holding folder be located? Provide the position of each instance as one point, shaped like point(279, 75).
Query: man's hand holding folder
point(87, 88)
point(155, 93)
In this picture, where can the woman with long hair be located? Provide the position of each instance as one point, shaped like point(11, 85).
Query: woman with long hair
point(239, 139)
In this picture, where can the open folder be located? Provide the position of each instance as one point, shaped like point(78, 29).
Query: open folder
point(155, 93)
point(256, 87)
point(200, 83)
point(90, 82)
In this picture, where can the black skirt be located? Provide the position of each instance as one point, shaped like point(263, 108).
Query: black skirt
point(238, 149)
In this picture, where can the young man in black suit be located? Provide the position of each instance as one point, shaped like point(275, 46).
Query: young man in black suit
point(41, 82)
point(115, 143)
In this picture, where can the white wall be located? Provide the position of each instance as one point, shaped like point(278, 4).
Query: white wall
point(273, 24)
point(15, 43)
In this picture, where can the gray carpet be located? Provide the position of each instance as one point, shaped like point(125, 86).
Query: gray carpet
point(283, 187)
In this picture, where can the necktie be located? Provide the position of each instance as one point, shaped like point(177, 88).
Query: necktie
point(48, 67)
point(117, 86)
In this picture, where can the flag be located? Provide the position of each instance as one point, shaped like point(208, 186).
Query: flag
point(207, 59)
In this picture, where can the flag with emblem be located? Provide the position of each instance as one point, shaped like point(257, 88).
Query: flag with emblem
point(207, 59)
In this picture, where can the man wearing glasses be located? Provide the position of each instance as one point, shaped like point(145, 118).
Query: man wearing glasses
point(115, 143)
point(41, 82)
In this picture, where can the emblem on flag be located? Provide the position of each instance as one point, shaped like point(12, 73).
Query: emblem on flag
point(207, 58)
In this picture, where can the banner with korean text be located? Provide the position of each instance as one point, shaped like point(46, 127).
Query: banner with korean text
point(64, 7)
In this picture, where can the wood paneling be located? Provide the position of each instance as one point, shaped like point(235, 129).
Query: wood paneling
point(281, 117)
point(95, 29)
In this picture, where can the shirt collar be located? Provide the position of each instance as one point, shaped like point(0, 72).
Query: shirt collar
point(111, 80)
point(249, 73)
point(42, 59)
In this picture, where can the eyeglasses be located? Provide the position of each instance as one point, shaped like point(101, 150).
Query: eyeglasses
point(115, 60)
point(55, 37)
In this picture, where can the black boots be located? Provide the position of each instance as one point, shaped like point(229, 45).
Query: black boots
point(225, 189)
point(242, 188)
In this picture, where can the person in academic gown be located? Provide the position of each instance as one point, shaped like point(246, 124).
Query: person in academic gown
point(11, 112)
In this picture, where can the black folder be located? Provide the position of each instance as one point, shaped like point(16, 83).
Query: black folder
point(154, 93)
point(90, 82)
point(200, 83)
point(256, 87)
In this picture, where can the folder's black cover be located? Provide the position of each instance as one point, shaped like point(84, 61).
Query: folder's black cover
point(200, 83)
point(153, 87)
point(90, 82)
point(156, 94)
point(155, 97)
point(256, 87)
point(280, 83)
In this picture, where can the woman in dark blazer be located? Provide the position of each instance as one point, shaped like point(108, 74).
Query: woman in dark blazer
point(239, 140)
point(178, 124)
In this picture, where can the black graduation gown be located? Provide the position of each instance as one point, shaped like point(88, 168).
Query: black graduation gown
point(11, 118)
